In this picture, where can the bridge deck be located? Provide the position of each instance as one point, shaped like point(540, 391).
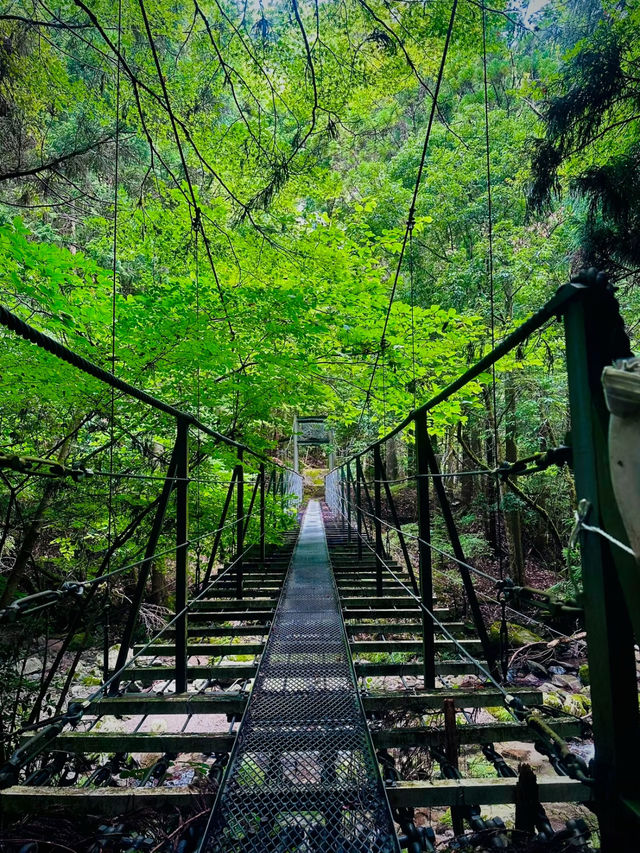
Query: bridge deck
point(303, 767)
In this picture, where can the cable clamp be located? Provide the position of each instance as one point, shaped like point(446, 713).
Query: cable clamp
point(580, 516)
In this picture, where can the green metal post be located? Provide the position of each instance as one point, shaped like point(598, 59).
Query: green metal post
point(377, 512)
point(262, 475)
point(182, 552)
point(458, 553)
point(359, 509)
point(424, 551)
point(239, 523)
point(595, 337)
point(348, 486)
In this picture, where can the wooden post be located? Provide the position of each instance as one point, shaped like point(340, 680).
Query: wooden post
point(527, 800)
point(451, 751)
point(424, 551)
point(458, 553)
point(145, 569)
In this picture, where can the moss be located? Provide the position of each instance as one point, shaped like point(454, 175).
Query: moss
point(501, 714)
point(78, 642)
point(583, 672)
point(553, 701)
point(518, 636)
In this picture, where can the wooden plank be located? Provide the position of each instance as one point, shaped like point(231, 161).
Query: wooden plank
point(449, 667)
point(477, 733)
point(357, 647)
point(239, 671)
point(247, 604)
point(414, 628)
point(412, 646)
point(233, 701)
point(99, 801)
point(374, 601)
point(133, 704)
point(207, 742)
point(230, 616)
point(19, 800)
point(387, 700)
point(221, 672)
point(148, 742)
point(384, 612)
point(224, 631)
point(210, 649)
point(482, 792)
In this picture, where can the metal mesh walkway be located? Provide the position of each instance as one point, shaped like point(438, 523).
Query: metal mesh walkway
point(303, 775)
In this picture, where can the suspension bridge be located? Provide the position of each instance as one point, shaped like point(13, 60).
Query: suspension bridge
point(298, 738)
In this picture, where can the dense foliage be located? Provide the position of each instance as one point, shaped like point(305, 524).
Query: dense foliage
point(232, 182)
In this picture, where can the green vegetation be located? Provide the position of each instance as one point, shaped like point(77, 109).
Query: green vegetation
point(233, 184)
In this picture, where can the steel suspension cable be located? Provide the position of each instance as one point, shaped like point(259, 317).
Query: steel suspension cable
point(111, 523)
point(466, 565)
point(412, 208)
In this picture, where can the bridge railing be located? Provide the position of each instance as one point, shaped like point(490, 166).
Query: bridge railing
point(260, 494)
point(359, 492)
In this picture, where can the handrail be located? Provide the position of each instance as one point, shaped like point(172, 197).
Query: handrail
point(554, 307)
point(12, 322)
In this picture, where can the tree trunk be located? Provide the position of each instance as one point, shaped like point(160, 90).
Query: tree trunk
point(33, 528)
point(392, 459)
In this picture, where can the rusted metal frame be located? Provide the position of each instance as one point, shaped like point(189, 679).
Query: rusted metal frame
point(458, 553)
point(238, 570)
point(424, 551)
point(217, 538)
point(182, 553)
point(377, 518)
point(145, 569)
point(398, 529)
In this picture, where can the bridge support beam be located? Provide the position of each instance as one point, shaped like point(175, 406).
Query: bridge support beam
point(424, 551)
point(182, 552)
point(595, 337)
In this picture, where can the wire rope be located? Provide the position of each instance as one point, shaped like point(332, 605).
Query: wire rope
point(468, 566)
point(412, 208)
point(111, 523)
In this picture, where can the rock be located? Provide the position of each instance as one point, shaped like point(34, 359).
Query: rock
point(537, 669)
point(557, 670)
point(567, 682)
point(31, 667)
point(550, 697)
point(518, 636)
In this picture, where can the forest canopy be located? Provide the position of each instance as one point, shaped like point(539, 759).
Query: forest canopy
point(214, 200)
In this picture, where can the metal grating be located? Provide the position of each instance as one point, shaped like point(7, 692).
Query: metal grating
point(303, 775)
